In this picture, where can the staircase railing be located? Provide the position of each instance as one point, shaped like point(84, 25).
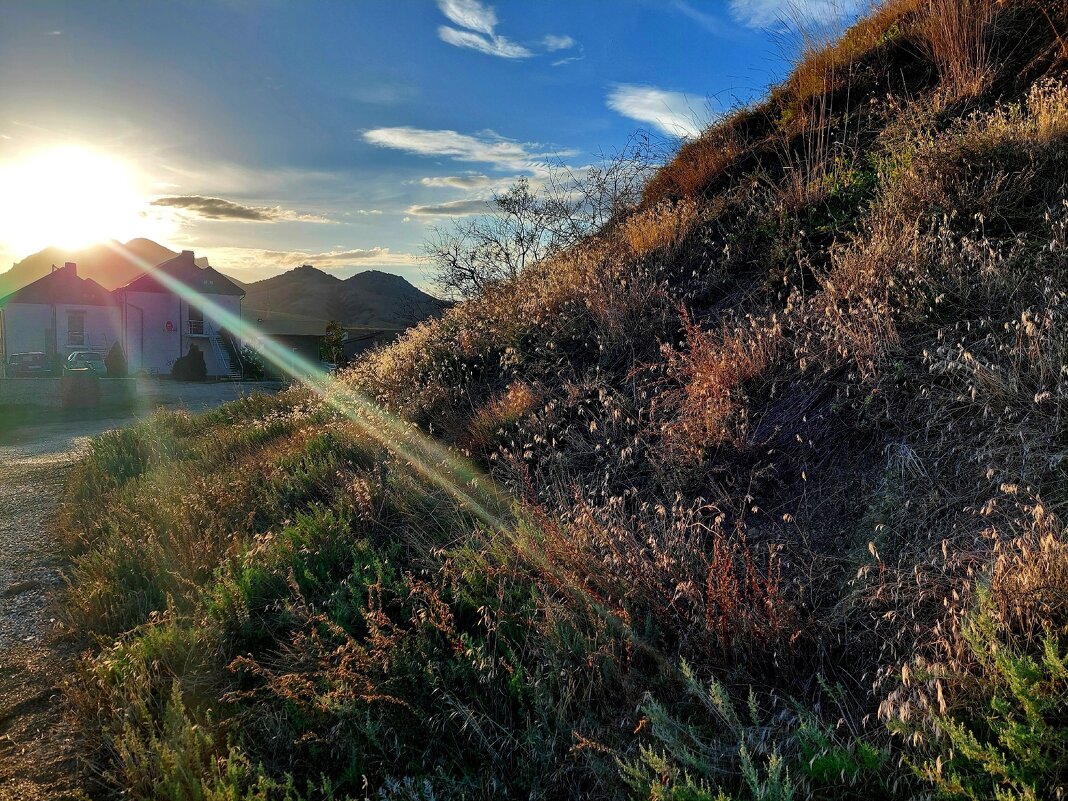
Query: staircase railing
point(221, 356)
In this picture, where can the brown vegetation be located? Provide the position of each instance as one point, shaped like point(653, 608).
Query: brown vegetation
point(785, 454)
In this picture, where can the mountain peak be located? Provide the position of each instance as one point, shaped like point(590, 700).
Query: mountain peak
point(371, 298)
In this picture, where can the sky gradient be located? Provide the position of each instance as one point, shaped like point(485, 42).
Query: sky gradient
point(269, 134)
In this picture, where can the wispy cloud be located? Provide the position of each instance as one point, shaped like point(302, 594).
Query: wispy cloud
point(217, 208)
point(567, 60)
point(671, 113)
point(709, 22)
point(470, 14)
point(470, 181)
point(452, 208)
point(785, 13)
point(553, 42)
point(485, 147)
point(476, 29)
point(490, 45)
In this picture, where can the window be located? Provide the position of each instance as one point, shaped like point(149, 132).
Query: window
point(196, 320)
point(75, 328)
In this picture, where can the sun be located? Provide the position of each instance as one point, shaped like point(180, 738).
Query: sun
point(68, 197)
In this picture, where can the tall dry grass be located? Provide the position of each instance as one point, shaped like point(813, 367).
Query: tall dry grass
point(958, 35)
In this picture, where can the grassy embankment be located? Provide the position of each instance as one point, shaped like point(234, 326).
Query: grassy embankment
point(787, 451)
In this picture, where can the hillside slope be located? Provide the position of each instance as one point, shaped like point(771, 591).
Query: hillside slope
point(370, 298)
point(756, 494)
point(109, 265)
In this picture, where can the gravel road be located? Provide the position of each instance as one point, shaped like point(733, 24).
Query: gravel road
point(36, 744)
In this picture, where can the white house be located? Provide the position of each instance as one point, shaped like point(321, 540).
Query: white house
point(160, 325)
point(58, 314)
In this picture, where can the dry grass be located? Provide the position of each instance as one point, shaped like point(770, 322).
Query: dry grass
point(791, 429)
point(501, 414)
point(698, 163)
point(659, 228)
point(1047, 105)
point(958, 36)
point(711, 404)
point(826, 62)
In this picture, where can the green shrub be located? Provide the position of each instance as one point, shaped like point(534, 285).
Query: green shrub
point(1008, 737)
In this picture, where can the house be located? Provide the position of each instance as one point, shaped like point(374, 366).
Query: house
point(57, 314)
point(358, 341)
point(302, 336)
point(305, 336)
point(160, 325)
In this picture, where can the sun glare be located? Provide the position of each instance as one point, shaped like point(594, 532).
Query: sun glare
point(69, 197)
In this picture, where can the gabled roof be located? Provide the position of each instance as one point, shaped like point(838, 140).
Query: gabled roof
point(184, 269)
point(61, 286)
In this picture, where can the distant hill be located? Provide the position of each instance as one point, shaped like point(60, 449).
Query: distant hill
point(111, 265)
point(370, 298)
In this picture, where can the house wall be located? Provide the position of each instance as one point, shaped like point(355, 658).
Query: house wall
point(28, 327)
point(149, 345)
point(154, 349)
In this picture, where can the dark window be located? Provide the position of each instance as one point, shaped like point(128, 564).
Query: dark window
point(196, 320)
point(75, 328)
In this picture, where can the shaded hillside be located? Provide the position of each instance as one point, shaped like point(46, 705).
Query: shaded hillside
point(108, 265)
point(370, 298)
point(757, 493)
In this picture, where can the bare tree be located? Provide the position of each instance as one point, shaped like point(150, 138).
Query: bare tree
point(473, 253)
point(529, 222)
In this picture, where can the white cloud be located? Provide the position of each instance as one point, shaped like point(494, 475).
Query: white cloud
point(490, 45)
point(553, 42)
point(470, 181)
point(788, 13)
point(479, 23)
point(476, 29)
point(452, 208)
point(470, 14)
point(486, 147)
point(672, 113)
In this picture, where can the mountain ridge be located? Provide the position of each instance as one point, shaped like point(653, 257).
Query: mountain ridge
point(368, 298)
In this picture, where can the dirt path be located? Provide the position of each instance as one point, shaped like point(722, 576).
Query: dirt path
point(36, 744)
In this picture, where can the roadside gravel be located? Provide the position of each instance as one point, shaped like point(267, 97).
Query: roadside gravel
point(36, 743)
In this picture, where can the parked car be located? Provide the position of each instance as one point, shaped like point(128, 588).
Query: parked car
point(28, 365)
point(85, 359)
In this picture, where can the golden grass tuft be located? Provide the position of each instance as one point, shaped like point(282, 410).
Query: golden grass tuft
point(698, 163)
point(500, 413)
point(710, 404)
point(957, 35)
point(826, 63)
point(1047, 104)
point(659, 228)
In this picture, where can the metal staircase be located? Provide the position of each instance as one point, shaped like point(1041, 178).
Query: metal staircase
point(225, 356)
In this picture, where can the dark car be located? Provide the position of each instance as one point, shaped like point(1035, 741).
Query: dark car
point(28, 365)
point(86, 360)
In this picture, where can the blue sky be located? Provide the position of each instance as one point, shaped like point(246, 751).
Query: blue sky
point(267, 134)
